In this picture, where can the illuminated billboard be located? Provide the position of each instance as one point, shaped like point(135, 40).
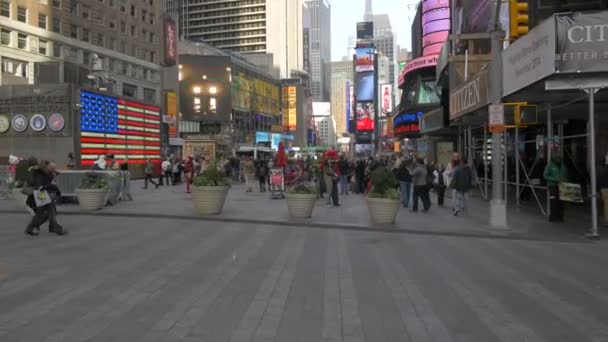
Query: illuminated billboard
point(289, 105)
point(366, 113)
point(365, 86)
point(365, 30)
point(321, 108)
point(364, 59)
point(386, 99)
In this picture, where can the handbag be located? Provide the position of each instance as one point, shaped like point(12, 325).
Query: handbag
point(42, 198)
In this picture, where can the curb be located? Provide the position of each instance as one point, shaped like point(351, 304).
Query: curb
point(498, 235)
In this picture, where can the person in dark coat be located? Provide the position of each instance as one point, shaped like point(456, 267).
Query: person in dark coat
point(462, 182)
point(43, 178)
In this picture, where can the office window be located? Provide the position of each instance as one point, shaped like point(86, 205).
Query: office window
point(150, 95)
point(5, 8)
point(85, 13)
point(123, 47)
point(5, 36)
point(74, 31)
point(86, 57)
point(133, 12)
point(152, 56)
point(129, 90)
point(143, 15)
point(133, 31)
point(85, 35)
point(112, 25)
point(151, 40)
point(42, 46)
point(57, 50)
point(22, 14)
point(57, 3)
point(74, 7)
point(56, 25)
point(123, 27)
point(151, 19)
point(111, 44)
point(42, 21)
point(125, 68)
point(100, 39)
point(21, 41)
point(14, 67)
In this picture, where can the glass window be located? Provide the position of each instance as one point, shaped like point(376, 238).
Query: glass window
point(112, 25)
point(5, 8)
point(125, 68)
point(42, 46)
point(133, 12)
point(85, 35)
point(56, 25)
point(129, 90)
point(123, 47)
point(123, 27)
point(5, 36)
point(42, 21)
point(22, 14)
point(74, 7)
point(427, 93)
point(57, 3)
point(86, 57)
point(100, 39)
point(74, 31)
point(143, 15)
point(21, 41)
point(133, 31)
point(150, 95)
point(57, 50)
point(85, 13)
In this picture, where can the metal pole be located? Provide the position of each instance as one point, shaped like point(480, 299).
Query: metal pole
point(517, 166)
point(560, 133)
point(549, 152)
point(460, 141)
point(485, 160)
point(594, 229)
point(505, 164)
point(470, 150)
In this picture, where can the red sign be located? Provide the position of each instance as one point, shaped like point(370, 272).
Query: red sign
point(418, 63)
point(410, 128)
point(170, 41)
point(365, 125)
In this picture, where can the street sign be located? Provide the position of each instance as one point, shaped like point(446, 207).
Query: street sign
point(496, 118)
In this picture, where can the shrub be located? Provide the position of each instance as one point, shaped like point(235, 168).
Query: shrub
point(212, 176)
point(383, 184)
point(303, 189)
point(92, 181)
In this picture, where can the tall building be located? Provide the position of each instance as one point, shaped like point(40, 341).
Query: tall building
point(341, 74)
point(317, 54)
point(343, 67)
point(248, 27)
point(368, 16)
point(384, 40)
point(58, 41)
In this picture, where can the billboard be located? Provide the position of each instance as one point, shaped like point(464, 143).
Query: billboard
point(364, 59)
point(365, 30)
point(170, 38)
point(110, 125)
point(365, 86)
point(407, 123)
point(171, 110)
point(472, 16)
point(348, 103)
point(581, 42)
point(386, 99)
point(321, 109)
point(289, 105)
point(351, 102)
point(366, 113)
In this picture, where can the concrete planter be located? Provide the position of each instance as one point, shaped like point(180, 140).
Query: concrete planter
point(300, 206)
point(91, 199)
point(209, 200)
point(382, 210)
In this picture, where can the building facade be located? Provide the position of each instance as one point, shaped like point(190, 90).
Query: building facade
point(59, 41)
point(248, 27)
point(317, 36)
point(340, 88)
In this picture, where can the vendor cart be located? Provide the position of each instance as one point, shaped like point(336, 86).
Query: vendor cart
point(277, 183)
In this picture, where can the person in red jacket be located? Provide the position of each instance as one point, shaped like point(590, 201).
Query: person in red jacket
point(189, 173)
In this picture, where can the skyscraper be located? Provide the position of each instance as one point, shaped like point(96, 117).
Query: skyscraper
point(384, 40)
point(317, 34)
point(341, 78)
point(248, 27)
point(368, 16)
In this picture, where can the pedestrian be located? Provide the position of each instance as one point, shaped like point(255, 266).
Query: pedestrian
point(405, 180)
point(189, 171)
point(421, 189)
point(360, 176)
point(439, 184)
point(555, 173)
point(262, 173)
point(331, 181)
point(344, 175)
point(44, 187)
point(176, 170)
point(462, 182)
point(449, 171)
point(149, 171)
point(100, 163)
point(602, 185)
point(167, 168)
point(249, 173)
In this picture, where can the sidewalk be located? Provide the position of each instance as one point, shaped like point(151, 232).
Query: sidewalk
point(173, 202)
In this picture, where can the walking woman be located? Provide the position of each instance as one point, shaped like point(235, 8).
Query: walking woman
point(439, 184)
point(149, 171)
point(189, 173)
point(43, 182)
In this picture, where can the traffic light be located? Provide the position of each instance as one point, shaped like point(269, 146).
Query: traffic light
point(518, 16)
point(526, 114)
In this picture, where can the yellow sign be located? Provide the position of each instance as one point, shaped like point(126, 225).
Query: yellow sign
point(171, 103)
point(290, 100)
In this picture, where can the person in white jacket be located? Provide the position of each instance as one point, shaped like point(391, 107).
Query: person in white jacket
point(439, 183)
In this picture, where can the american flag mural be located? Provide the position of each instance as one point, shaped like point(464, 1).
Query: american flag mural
point(127, 129)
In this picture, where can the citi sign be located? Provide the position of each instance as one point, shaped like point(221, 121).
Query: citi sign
point(407, 118)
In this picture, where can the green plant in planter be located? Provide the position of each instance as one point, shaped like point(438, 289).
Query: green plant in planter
point(304, 188)
point(212, 176)
point(23, 172)
point(92, 181)
point(383, 184)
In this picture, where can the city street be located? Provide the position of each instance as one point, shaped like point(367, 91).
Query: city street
point(132, 278)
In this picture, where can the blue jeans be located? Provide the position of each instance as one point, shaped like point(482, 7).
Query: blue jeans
point(343, 185)
point(406, 190)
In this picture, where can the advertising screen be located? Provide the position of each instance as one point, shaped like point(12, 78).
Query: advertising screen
point(127, 129)
point(364, 59)
point(275, 140)
point(407, 123)
point(262, 137)
point(289, 107)
point(365, 86)
point(386, 99)
point(365, 116)
point(321, 108)
point(365, 30)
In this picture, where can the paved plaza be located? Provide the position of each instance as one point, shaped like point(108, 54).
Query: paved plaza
point(123, 276)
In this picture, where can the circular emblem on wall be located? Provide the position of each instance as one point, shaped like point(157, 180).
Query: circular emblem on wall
point(38, 122)
point(19, 123)
point(5, 123)
point(56, 122)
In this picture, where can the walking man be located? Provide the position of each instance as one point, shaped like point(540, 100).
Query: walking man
point(555, 173)
point(421, 189)
point(461, 184)
point(405, 181)
point(149, 171)
point(344, 175)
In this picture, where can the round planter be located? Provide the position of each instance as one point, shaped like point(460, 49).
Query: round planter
point(91, 199)
point(209, 200)
point(300, 206)
point(382, 210)
point(19, 198)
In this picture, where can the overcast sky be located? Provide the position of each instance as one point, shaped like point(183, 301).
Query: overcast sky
point(346, 13)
